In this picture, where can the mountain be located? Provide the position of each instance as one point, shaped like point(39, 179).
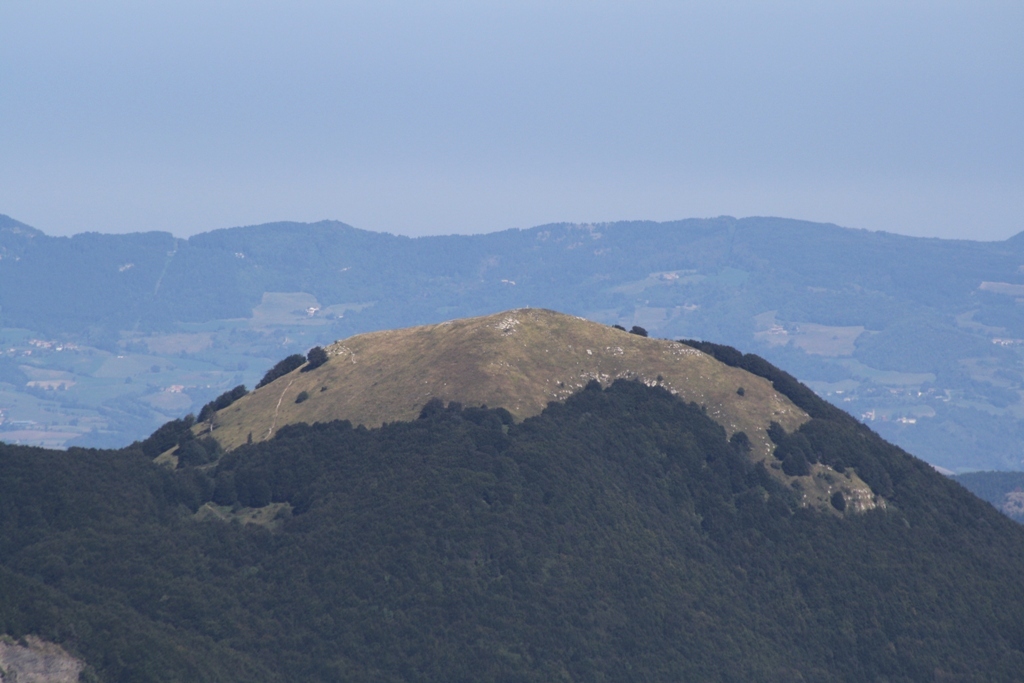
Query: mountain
point(1005, 490)
point(623, 533)
point(16, 238)
point(520, 360)
point(922, 338)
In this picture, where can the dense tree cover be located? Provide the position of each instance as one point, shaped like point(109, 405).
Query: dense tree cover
point(282, 368)
point(92, 542)
point(831, 436)
point(167, 436)
point(222, 402)
point(617, 536)
point(315, 358)
point(994, 487)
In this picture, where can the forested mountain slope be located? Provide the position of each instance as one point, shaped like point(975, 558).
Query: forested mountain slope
point(1005, 490)
point(618, 535)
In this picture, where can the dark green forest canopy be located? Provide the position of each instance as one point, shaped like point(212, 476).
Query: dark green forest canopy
point(1005, 490)
point(617, 536)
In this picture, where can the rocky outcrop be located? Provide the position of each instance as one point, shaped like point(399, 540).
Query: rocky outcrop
point(32, 660)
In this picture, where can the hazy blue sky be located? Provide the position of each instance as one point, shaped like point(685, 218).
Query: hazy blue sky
point(441, 117)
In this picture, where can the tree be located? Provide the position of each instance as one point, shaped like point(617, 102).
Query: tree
point(638, 330)
point(167, 436)
point(224, 492)
point(434, 406)
point(315, 358)
point(796, 465)
point(741, 442)
point(282, 368)
point(222, 402)
point(194, 452)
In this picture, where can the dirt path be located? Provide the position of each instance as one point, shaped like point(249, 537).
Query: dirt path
point(277, 409)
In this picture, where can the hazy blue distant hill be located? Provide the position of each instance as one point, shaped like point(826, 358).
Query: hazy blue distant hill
point(922, 338)
point(81, 283)
point(15, 237)
point(224, 273)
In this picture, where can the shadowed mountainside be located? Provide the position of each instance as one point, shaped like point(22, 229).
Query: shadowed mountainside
point(1005, 490)
point(618, 535)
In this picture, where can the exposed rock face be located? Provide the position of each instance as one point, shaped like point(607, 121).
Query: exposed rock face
point(1013, 505)
point(33, 660)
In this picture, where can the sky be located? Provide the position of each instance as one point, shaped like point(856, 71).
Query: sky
point(465, 117)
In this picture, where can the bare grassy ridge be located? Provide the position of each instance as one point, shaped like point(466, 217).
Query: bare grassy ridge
point(519, 360)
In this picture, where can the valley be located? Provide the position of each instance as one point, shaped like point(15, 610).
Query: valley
point(918, 338)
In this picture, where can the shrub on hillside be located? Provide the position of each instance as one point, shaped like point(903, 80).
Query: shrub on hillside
point(222, 402)
point(282, 368)
point(315, 358)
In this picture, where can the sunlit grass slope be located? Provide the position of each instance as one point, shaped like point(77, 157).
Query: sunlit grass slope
point(519, 360)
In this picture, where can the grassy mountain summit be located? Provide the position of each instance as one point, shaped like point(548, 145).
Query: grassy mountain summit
point(521, 360)
point(518, 360)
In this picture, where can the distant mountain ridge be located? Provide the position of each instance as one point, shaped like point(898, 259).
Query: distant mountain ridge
point(15, 237)
point(223, 273)
point(920, 337)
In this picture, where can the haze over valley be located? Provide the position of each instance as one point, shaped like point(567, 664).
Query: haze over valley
point(108, 336)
